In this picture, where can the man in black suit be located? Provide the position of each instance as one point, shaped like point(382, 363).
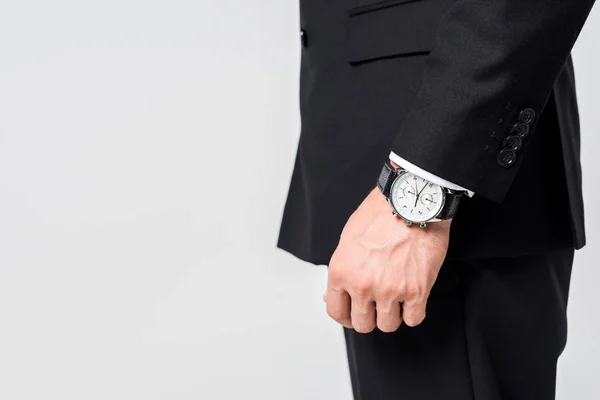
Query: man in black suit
point(410, 109)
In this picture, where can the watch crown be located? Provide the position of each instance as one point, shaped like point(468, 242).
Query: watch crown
point(394, 213)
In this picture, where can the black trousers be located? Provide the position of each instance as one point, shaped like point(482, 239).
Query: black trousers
point(494, 330)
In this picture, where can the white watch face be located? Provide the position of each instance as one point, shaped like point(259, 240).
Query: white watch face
point(416, 199)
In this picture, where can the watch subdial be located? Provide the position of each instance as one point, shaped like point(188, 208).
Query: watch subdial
point(409, 192)
point(427, 199)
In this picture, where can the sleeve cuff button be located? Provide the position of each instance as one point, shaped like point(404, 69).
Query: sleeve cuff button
point(507, 157)
point(527, 116)
point(521, 130)
point(513, 143)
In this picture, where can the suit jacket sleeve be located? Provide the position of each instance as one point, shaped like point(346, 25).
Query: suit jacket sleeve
point(491, 61)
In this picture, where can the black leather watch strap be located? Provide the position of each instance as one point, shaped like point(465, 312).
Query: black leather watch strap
point(451, 205)
point(386, 178)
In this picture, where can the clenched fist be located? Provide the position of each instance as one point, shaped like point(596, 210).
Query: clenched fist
point(382, 271)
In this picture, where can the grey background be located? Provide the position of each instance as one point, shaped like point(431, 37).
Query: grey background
point(145, 153)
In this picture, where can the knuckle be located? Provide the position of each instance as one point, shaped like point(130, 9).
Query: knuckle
point(335, 274)
point(410, 321)
point(384, 309)
point(414, 320)
point(401, 288)
point(363, 287)
point(364, 328)
point(336, 315)
point(412, 292)
point(388, 292)
point(388, 327)
point(361, 310)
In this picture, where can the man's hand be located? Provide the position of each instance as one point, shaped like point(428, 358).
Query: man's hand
point(382, 270)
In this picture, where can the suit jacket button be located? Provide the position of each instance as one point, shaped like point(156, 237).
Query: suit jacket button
point(303, 38)
point(507, 157)
point(520, 130)
point(527, 116)
point(513, 143)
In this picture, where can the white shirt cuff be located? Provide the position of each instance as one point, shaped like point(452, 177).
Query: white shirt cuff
point(426, 175)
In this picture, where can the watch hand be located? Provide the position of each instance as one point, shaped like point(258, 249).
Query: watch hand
point(418, 193)
point(424, 186)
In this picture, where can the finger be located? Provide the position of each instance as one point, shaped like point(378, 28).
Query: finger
point(413, 312)
point(389, 316)
point(338, 306)
point(363, 315)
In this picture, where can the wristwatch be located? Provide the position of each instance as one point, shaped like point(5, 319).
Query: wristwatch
point(417, 200)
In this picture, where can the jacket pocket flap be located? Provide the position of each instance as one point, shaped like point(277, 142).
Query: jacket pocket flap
point(392, 28)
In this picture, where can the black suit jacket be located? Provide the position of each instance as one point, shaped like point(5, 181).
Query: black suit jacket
point(442, 83)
